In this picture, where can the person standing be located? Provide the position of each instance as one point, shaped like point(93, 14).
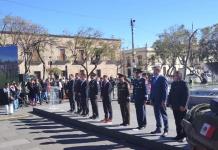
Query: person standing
point(113, 84)
point(106, 90)
point(177, 100)
point(84, 99)
point(140, 98)
point(7, 100)
point(77, 86)
point(124, 99)
point(70, 94)
point(93, 92)
point(158, 98)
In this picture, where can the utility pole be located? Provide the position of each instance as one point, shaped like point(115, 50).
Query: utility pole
point(132, 23)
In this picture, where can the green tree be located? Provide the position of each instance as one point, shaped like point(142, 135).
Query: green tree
point(171, 46)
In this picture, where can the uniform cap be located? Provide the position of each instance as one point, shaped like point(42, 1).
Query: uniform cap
point(120, 75)
point(138, 70)
point(93, 74)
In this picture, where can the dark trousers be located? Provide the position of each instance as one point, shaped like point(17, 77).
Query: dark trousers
point(94, 104)
point(160, 111)
point(85, 106)
point(107, 108)
point(178, 115)
point(72, 102)
point(141, 115)
point(78, 102)
point(124, 107)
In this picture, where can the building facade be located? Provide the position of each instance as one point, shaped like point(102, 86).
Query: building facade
point(145, 59)
point(59, 56)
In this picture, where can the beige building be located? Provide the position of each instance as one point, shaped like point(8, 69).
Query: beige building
point(59, 56)
point(144, 59)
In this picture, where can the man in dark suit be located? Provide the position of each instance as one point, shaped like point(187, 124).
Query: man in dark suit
point(84, 98)
point(93, 92)
point(140, 98)
point(106, 89)
point(177, 100)
point(77, 87)
point(158, 98)
point(70, 94)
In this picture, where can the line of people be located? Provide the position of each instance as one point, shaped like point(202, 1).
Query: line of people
point(159, 97)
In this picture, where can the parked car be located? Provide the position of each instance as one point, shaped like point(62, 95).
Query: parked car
point(202, 95)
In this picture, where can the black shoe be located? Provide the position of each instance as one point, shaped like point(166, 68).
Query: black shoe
point(156, 131)
point(122, 124)
point(95, 117)
point(92, 117)
point(139, 128)
point(126, 124)
point(70, 110)
point(164, 134)
point(176, 138)
point(179, 138)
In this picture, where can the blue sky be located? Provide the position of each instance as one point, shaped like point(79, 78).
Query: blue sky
point(112, 17)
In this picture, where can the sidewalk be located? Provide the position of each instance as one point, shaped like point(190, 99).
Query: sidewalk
point(20, 113)
point(141, 138)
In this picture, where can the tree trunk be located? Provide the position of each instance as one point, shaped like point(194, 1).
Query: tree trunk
point(43, 62)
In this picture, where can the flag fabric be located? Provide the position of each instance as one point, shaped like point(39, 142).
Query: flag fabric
point(207, 130)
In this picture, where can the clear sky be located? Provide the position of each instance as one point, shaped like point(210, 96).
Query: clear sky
point(112, 17)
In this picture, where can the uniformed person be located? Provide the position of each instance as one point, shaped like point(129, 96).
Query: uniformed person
point(84, 99)
point(77, 86)
point(124, 99)
point(140, 98)
point(93, 92)
point(106, 89)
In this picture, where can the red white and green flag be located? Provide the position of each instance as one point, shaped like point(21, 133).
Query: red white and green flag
point(207, 130)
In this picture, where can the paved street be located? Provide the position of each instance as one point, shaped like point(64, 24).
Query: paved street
point(61, 110)
point(36, 133)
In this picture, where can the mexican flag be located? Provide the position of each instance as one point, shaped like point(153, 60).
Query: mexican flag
point(207, 130)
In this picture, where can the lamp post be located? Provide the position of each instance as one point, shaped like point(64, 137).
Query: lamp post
point(50, 64)
point(132, 24)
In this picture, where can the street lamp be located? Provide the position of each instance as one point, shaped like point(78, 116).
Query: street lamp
point(132, 24)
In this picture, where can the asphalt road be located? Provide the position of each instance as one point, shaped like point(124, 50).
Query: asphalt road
point(31, 132)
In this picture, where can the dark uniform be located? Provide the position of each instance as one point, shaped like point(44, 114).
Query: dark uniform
point(106, 90)
point(84, 99)
point(140, 97)
point(123, 100)
point(93, 92)
point(70, 85)
point(77, 87)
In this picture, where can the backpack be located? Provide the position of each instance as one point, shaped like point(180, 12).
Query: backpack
point(201, 126)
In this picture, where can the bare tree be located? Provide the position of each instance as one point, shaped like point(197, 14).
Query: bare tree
point(29, 37)
point(89, 48)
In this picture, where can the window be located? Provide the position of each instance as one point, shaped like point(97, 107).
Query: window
point(98, 72)
point(35, 57)
point(37, 74)
point(62, 56)
point(128, 61)
point(82, 71)
point(139, 57)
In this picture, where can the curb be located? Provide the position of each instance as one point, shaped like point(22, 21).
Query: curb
point(135, 140)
